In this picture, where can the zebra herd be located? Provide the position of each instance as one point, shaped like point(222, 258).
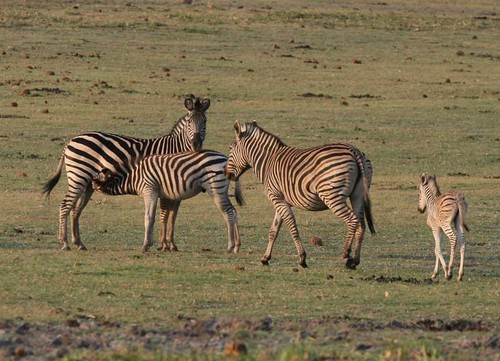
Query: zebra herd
point(174, 167)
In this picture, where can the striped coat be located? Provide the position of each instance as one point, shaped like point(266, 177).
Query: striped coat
point(445, 214)
point(173, 178)
point(87, 154)
point(312, 179)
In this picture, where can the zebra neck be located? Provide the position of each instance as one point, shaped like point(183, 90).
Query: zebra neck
point(262, 159)
point(172, 143)
point(430, 198)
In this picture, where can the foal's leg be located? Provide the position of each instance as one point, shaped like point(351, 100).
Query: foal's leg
point(461, 240)
point(168, 215)
point(450, 233)
point(437, 252)
point(150, 201)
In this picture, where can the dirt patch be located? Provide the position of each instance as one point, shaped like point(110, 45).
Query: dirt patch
point(232, 336)
point(385, 279)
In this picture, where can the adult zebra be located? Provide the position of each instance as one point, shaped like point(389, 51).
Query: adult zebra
point(312, 179)
point(173, 178)
point(89, 153)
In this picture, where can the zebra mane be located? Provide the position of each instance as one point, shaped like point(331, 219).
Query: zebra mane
point(265, 132)
point(431, 183)
point(178, 125)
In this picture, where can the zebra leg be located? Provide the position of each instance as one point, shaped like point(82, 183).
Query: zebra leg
point(438, 234)
point(64, 209)
point(150, 201)
point(221, 199)
point(286, 214)
point(75, 217)
point(273, 233)
point(168, 214)
point(338, 205)
point(356, 199)
point(448, 230)
point(172, 216)
point(461, 240)
point(164, 211)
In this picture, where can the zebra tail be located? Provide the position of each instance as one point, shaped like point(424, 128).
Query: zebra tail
point(462, 210)
point(367, 207)
point(238, 194)
point(49, 186)
point(367, 204)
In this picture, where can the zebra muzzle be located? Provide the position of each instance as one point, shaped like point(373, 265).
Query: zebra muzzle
point(229, 175)
point(197, 142)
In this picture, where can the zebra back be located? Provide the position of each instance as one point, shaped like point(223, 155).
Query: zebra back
point(89, 153)
point(177, 176)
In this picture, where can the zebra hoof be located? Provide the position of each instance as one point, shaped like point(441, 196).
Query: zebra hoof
point(350, 264)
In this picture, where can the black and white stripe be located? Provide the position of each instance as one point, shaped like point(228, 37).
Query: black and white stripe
point(173, 178)
point(445, 213)
point(87, 154)
point(312, 179)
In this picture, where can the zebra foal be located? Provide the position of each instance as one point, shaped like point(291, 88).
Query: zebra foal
point(173, 178)
point(312, 179)
point(445, 213)
point(89, 153)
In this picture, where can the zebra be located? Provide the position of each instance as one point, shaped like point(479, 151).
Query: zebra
point(445, 213)
point(89, 153)
point(312, 179)
point(173, 178)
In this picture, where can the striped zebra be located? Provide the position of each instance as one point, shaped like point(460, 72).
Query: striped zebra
point(87, 154)
point(173, 178)
point(312, 179)
point(445, 213)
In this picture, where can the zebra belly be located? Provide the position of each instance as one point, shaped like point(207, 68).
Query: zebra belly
point(310, 203)
point(180, 194)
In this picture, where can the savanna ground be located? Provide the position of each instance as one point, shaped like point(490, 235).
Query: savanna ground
point(415, 85)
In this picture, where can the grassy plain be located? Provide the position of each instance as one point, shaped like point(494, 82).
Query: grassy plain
point(413, 84)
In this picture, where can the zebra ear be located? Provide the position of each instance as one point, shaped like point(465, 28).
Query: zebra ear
point(188, 103)
point(237, 129)
point(423, 179)
point(205, 104)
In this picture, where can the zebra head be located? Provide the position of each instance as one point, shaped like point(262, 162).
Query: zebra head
point(428, 189)
point(104, 181)
point(238, 162)
point(196, 121)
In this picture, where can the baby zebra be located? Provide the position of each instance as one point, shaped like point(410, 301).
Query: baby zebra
point(445, 213)
point(173, 178)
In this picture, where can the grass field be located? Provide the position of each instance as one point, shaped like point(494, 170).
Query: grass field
point(415, 85)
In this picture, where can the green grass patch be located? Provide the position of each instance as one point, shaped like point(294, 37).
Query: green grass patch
point(414, 85)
